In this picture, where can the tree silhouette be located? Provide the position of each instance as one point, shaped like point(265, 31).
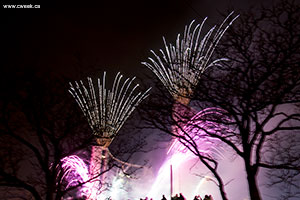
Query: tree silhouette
point(180, 68)
point(257, 91)
point(38, 128)
point(40, 125)
point(259, 88)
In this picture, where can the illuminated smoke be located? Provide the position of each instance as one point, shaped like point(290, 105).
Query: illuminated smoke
point(201, 132)
point(198, 133)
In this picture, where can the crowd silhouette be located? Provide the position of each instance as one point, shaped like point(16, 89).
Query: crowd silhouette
point(181, 197)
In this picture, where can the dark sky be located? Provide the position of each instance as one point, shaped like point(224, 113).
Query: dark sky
point(81, 38)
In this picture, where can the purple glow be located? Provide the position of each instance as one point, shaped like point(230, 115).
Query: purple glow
point(197, 131)
point(94, 171)
point(75, 172)
point(90, 179)
point(106, 111)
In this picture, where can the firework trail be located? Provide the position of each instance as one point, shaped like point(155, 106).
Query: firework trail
point(202, 131)
point(75, 172)
point(179, 67)
point(198, 133)
point(106, 111)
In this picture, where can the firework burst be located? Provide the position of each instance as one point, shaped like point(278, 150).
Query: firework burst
point(107, 110)
point(179, 67)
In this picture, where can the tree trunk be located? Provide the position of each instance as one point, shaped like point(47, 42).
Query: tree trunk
point(252, 184)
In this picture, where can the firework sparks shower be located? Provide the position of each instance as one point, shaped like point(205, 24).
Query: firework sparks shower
point(106, 112)
point(194, 135)
point(179, 67)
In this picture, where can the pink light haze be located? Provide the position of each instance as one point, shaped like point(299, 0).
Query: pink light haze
point(198, 130)
point(195, 134)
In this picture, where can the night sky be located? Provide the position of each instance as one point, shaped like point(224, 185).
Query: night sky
point(77, 39)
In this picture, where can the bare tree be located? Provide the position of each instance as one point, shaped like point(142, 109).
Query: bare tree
point(180, 67)
point(283, 149)
point(256, 92)
point(41, 126)
point(259, 88)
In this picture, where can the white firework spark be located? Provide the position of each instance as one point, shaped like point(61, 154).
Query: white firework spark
point(107, 110)
point(202, 131)
point(180, 66)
